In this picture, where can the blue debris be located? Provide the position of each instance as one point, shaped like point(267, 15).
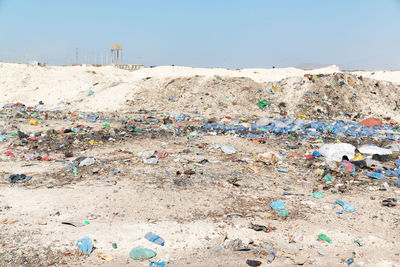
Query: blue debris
point(86, 245)
point(278, 205)
point(346, 206)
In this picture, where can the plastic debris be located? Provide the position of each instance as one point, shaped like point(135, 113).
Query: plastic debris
point(86, 245)
point(318, 195)
point(141, 253)
point(156, 239)
point(228, 150)
point(264, 103)
point(346, 206)
point(335, 152)
point(325, 238)
point(271, 257)
point(278, 205)
point(253, 262)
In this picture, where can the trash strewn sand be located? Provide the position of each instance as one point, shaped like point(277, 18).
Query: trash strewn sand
point(200, 200)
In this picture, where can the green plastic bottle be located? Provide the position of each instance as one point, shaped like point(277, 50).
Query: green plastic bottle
point(325, 237)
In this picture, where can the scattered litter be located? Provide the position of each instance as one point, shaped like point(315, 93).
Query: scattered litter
point(86, 245)
point(325, 238)
point(257, 227)
point(253, 262)
point(390, 202)
point(76, 224)
point(228, 150)
point(271, 257)
point(278, 205)
point(154, 238)
point(17, 178)
point(141, 253)
point(104, 256)
point(346, 206)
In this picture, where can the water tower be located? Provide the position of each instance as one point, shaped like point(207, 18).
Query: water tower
point(116, 54)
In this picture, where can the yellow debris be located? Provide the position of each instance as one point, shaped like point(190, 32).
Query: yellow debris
point(358, 157)
point(301, 116)
point(319, 172)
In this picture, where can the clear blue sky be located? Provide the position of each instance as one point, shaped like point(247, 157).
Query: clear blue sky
point(363, 34)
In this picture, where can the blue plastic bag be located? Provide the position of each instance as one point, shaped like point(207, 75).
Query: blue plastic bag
point(346, 206)
point(85, 244)
point(278, 205)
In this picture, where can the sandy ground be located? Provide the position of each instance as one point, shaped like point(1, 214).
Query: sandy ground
point(196, 211)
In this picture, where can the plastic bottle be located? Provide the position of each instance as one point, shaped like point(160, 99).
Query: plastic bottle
point(390, 173)
point(154, 263)
point(325, 237)
point(397, 162)
point(271, 257)
point(375, 175)
point(154, 238)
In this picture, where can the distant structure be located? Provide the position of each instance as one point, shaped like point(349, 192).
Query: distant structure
point(131, 67)
point(116, 54)
point(115, 59)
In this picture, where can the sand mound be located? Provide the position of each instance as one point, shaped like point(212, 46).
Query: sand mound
point(213, 92)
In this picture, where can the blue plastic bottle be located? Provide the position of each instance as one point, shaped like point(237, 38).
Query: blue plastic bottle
point(375, 175)
point(350, 261)
point(390, 173)
point(283, 170)
point(154, 238)
point(397, 162)
point(271, 257)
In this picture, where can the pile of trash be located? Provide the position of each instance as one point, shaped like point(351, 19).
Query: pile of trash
point(335, 96)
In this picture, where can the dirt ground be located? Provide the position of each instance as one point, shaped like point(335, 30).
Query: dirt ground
point(213, 203)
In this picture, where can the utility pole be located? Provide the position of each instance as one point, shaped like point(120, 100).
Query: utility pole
point(76, 56)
